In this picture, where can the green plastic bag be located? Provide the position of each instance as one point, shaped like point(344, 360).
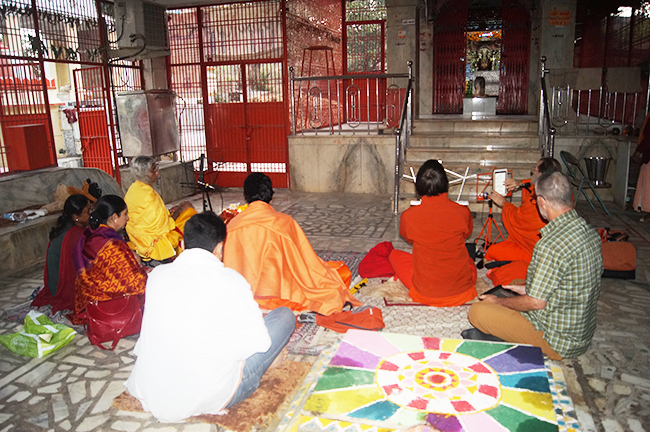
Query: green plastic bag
point(38, 337)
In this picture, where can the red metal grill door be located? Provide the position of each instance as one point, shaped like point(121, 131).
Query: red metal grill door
point(246, 127)
point(23, 102)
point(226, 124)
point(96, 124)
point(515, 59)
point(449, 58)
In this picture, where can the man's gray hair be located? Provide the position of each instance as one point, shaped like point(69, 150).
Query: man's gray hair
point(556, 189)
point(141, 165)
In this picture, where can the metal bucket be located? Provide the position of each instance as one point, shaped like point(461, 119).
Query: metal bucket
point(597, 169)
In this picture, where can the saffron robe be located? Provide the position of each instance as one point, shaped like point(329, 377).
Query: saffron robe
point(106, 267)
point(443, 274)
point(65, 274)
point(272, 252)
point(153, 232)
point(523, 224)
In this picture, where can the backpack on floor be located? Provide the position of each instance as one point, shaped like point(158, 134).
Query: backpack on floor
point(619, 260)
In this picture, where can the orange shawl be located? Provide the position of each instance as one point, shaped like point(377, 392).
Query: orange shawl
point(272, 252)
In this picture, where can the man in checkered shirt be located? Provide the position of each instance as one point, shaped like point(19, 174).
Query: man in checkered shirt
point(556, 309)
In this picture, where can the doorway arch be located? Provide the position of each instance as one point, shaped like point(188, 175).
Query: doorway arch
point(500, 29)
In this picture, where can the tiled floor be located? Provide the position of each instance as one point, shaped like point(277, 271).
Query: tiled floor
point(72, 390)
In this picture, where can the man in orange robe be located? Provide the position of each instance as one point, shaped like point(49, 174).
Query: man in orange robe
point(522, 224)
point(272, 252)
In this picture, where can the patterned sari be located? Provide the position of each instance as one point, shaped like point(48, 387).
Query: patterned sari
point(107, 268)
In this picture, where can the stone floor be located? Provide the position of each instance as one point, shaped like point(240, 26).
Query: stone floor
point(72, 390)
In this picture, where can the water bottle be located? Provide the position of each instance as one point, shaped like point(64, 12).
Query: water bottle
point(15, 216)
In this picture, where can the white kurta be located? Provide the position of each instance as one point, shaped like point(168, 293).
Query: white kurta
point(200, 324)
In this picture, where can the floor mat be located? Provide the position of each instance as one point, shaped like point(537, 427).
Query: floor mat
point(305, 340)
point(275, 386)
point(392, 381)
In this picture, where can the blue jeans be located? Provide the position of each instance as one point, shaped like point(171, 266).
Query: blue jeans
point(280, 323)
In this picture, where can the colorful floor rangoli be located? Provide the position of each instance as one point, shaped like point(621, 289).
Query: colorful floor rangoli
point(385, 381)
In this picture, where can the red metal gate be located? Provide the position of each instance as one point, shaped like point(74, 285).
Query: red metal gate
point(515, 58)
point(23, 101)
point(449, 58)
point(96, 123)
point(246, 129)
point(246, 122)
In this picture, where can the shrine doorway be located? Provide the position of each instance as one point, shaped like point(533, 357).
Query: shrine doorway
point(482, 49)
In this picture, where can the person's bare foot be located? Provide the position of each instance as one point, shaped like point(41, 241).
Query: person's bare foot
point(279, 359)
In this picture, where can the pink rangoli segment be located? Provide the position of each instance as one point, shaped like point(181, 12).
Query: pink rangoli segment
point(481, 368)
point(373, 342)
point(431, 343)
point(440, 382)
point(416, 355)
point(385, 365)
point(489, 390)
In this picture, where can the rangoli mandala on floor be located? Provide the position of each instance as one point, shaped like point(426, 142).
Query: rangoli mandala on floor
point(390, 381)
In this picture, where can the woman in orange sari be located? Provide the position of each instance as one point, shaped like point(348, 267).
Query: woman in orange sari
point(60, 271)
point(107, 268)
point(440, 271)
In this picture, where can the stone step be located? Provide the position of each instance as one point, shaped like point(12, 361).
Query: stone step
point(473, 157)
point(491, 140)
point(464, 124)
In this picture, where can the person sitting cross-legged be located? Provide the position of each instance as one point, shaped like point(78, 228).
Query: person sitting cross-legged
point(154, 232)
point(556, 308)
point(522, 223)
point(440, 271)
point(272, 252)
point(204, 344)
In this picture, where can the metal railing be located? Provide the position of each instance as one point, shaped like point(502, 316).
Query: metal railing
point(347, 103)
point(403, 132)
point(546, 129)
point(611, 115)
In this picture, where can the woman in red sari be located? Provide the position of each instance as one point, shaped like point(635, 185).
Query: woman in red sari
point(60, 271)
point(107, 267)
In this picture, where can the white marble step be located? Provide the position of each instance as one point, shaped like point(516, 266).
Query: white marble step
point(503, 125)
point(493, 140)
point(474, 157)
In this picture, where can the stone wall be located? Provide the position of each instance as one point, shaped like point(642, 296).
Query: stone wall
point(354, 164)
point(32, 188)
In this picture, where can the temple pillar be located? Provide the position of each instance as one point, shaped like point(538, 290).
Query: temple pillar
point(401, 33)
point(558, 21)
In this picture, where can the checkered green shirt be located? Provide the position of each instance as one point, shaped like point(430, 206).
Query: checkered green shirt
point(565, 271)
